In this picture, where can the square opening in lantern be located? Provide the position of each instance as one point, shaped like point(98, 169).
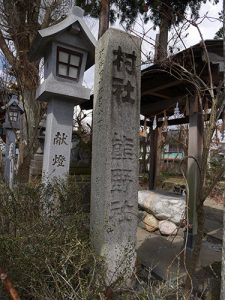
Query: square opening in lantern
point(13, 116)
point(68, 63)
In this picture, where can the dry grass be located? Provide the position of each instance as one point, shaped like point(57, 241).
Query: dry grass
point(49, 257)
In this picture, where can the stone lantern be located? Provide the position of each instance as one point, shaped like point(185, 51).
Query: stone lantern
point(13, 111)
point(68, 49)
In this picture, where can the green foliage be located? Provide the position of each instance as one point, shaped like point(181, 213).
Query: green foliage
point(173, 10)
point(127, 11)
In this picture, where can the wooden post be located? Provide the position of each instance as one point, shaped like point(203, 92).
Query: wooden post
point(152, 163)
point(195, 146)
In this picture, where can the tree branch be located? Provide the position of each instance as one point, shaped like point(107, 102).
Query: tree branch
point(5, 49)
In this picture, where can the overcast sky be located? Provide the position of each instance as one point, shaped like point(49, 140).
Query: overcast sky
point(209, 26)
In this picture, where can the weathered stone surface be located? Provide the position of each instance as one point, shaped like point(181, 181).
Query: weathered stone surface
point(36, 166)
point(10, 155)
point(58, 134)
point(141, 215)
point(114, 187)
point(150, 223)
point(164, 206)
point(62, 86)
point(167, 228)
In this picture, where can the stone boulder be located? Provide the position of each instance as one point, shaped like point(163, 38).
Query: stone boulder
point(150, 223)
point(167, 228)
point(164, 206)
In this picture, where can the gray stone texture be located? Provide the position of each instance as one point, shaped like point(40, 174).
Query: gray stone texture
point(58, 134)
point(164, 206)
point(114, 181)
point(10, 154)
point(36, 166)
point(167, 228)
point(72, 30)
point(61, 91)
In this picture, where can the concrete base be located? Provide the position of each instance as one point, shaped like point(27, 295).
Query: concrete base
point(163, 257)
point(162, 254)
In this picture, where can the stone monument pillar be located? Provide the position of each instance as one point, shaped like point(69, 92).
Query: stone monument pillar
point(10, 156)
point(114, 186)
point(13, 111)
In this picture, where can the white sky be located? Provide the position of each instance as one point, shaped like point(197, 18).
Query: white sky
point(209, 26)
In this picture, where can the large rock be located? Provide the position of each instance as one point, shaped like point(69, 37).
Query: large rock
point(150, 223)
point(167, 228)
point(164, 206)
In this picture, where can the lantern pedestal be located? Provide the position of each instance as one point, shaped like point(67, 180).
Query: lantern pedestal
point(13, 111)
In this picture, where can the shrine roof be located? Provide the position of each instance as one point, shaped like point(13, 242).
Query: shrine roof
point(164, 84)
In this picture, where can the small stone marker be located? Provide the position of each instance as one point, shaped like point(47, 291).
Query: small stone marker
point(11, 158)
point(13, 111)
point(115, 148)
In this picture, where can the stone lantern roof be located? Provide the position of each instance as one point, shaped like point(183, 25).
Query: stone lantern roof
point(13, 102)
point(74, 23)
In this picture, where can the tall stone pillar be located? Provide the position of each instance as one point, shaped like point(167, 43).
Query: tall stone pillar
point(115, 147)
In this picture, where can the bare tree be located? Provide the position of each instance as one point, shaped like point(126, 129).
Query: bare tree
point(19, 22)
point(222, 294)
point(210, 105)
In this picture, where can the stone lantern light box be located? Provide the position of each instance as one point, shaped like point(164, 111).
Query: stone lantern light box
point(68, 49)
point(13, 110)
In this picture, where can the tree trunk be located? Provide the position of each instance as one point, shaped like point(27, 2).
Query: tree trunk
point(31, 119)
point(104, 17)
point(156, 137)
point(28, 136)
point(163, 32)
point(222, 294)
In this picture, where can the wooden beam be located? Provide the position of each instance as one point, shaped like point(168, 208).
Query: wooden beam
point(156, 94)
point(146, 85)
point(154, 108)
point(184, 120)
